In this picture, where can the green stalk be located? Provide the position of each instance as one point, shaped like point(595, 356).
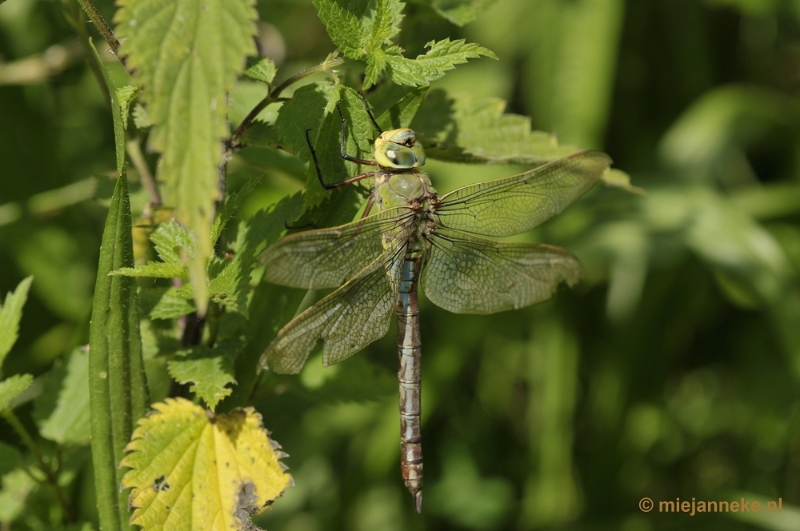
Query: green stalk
point(117, 384)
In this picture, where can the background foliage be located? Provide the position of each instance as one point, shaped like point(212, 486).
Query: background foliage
point(671, 371)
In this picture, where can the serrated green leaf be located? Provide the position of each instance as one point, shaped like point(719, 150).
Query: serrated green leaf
point(12, 387)
point(304, 111)
point(359, 133)
point(231, 205)
point(152, 269)
point(170, 239)
point(170, 304)
point(261, 69)
point(201, 470)
point(442, 56)
point(360, 27)
point(187, 56)
point(140, 117)
point(10, 314)
point(619, 179)
point(266, 226)
point(376, 64)
point(68, 423)
point(459, 12)
point(461, 128)
point(229, 283)
point(209, 371)
point(402, 113)
point(261, 135)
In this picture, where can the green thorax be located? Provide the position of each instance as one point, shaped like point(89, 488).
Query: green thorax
point(398, 183)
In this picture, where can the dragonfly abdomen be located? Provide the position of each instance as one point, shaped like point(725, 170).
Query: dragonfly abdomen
point(410, 374)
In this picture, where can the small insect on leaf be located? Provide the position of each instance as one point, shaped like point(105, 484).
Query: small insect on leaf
point(210, 472)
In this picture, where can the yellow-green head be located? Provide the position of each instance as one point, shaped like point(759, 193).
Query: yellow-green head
point(399, 149)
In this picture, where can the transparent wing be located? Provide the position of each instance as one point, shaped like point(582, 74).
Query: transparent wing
point(326, 258)
point(517, 204)
point(464, 274)
point(347, 320)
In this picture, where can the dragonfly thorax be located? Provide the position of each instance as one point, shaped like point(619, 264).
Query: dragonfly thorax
point(403, 189)
point(398, 149)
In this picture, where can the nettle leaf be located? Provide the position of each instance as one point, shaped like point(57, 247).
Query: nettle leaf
point(229, 279)
point(442, 56)
point(153, 270)
point(305, 112)
point(140, 117)
point(209, 371)
point(187, 56)
point(261, 135)
point(229, 282)
point(169, 304)
point(459, 12)
point(12, 387)
point(68, 421)
point(261, 69)
point(191, 469)
point(619, 179)
point(363, 30)
point(169, 240)
point(360, 27)
point(462, 128)
point(231, 205)
point(266, 226)
point(10, 314)
point(402, 113)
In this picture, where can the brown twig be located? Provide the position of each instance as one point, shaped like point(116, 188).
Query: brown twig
point(104, 29)
point(274, 95)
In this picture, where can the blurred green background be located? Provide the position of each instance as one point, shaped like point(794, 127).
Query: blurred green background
point(670, 372)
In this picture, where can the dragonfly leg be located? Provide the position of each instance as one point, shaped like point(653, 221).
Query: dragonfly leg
point(344, 155)
point(370, 203)
point(349, 180)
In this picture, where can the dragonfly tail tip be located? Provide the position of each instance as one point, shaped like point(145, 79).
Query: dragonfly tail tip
point(418, 501)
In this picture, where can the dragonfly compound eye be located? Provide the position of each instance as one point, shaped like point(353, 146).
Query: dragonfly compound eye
point(399, 149)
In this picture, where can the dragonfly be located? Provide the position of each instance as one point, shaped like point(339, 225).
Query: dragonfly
point(416, 238)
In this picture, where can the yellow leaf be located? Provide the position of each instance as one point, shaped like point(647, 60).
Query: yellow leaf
point(193, 470)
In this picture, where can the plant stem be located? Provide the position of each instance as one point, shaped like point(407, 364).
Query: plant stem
point(52, 480)
point(274, 96)
point(137, 158)
point(76, 22)
point(103, 28)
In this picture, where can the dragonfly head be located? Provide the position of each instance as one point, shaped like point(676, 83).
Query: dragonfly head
point(399, 149)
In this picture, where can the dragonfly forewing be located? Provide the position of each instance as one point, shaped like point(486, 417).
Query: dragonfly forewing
point(347, 320)
point(465, 274)
point(327, 258)
point(518, 204)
